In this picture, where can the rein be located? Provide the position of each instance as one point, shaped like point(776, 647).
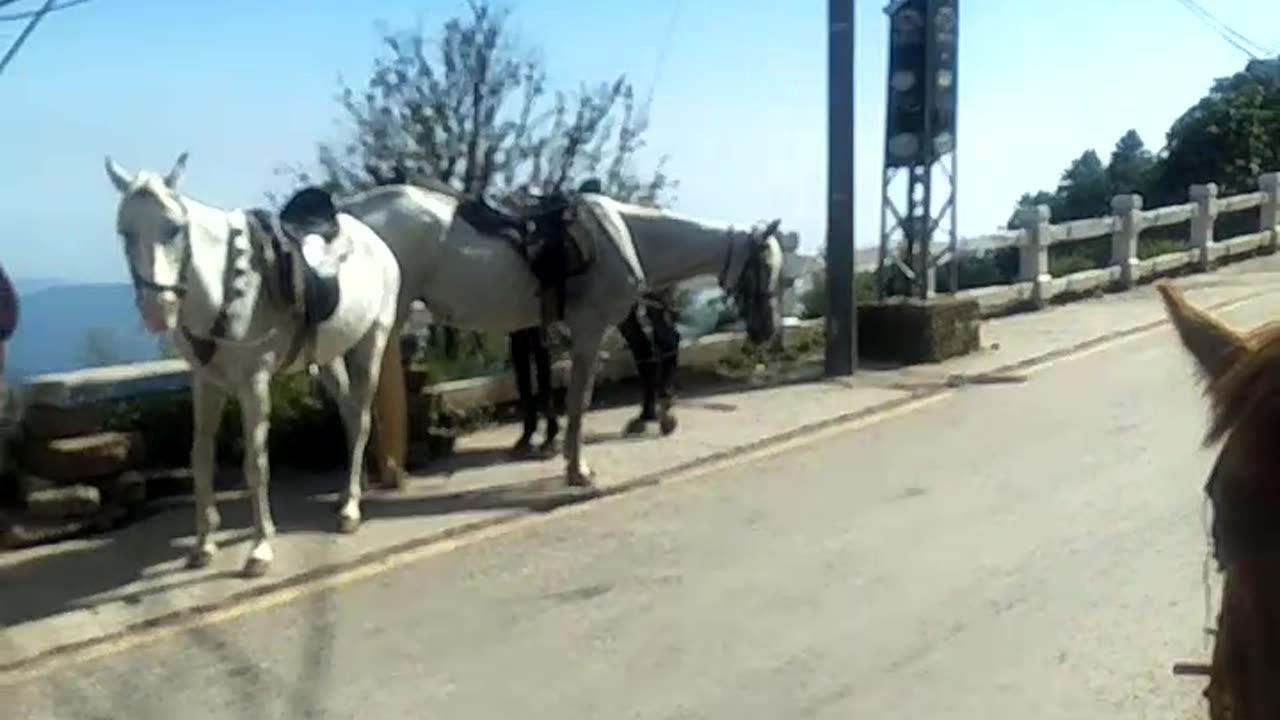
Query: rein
point(760, 290)
point(728, 264)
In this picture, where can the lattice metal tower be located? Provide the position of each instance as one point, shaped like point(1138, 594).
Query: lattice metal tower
point(919, 147)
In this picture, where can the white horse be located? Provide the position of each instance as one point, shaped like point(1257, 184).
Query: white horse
point(249, 295)
point(453, 258)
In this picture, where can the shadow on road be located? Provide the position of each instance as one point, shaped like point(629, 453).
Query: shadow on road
point(84, 574)
point(141, 563)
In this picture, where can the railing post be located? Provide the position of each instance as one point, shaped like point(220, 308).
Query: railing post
point(1206, 199)
point(1033, 263)
point(1269, 214)
point(1124, 241)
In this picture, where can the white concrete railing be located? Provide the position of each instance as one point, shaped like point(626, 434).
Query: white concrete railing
point(1037, 287)
point(80, 388)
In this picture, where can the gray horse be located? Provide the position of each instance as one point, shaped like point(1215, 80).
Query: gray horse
point(455, 256)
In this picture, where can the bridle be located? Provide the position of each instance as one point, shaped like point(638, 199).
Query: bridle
point(751, 287)
point(204, 345)
point(179, 286)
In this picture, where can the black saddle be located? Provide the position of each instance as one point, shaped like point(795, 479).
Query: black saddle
point(490, 219)
point(540, 233)
point(311, 211)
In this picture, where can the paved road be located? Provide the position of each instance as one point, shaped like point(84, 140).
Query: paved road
point(1030, 550)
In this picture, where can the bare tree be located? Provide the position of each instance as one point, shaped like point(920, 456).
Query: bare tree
point(473, 109)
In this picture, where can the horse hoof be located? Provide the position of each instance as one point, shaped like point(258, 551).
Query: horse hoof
point(667, 424)
point(521, 450)
point(636, 426)
point(256, 567)
point(581, 478)
point(389, 480)
point(348, 525)
point(199, 558)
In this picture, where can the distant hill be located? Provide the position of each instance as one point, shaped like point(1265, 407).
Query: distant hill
point(60, 321)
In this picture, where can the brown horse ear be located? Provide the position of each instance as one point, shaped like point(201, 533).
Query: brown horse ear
point(1215, 347)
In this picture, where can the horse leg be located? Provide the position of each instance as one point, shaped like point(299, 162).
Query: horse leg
point(391, 415)
point(255, 423)
point(585, 353)
point(646, 367)
point(521, 343)
point(336, 380)
point(542, 363)
point(207, 403)
point(359, 376)
point(666, 340)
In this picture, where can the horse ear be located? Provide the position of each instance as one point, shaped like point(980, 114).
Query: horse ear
point(121, 179)
point(1215, 347)
point(772, 227)
point(179, 167)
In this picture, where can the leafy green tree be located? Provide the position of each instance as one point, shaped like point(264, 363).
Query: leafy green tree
point(1130, 166)
point(1040, 197)
point(1229, 137)
point(1086, 188)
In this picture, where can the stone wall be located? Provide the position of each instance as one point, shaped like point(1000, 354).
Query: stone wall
point(82, 463)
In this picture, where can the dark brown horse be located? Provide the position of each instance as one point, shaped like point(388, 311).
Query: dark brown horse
point(655, 360)
point(1242, 376)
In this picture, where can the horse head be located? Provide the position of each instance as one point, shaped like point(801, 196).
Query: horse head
point(756, 291)
point(154, 227)
point(1242, 375)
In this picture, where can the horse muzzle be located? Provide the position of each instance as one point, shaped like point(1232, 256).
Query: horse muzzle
point(158, 309)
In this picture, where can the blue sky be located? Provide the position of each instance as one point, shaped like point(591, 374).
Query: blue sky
point(739, 106)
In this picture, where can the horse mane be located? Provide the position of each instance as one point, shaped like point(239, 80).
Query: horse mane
point(1250, 390)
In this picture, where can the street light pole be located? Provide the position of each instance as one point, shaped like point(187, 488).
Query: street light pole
point(841, 316)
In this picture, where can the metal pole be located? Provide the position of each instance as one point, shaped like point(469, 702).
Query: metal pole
point(924, 240)
point(841, 318)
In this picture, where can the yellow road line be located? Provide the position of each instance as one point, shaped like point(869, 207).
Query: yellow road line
point(41, 666)
point(1139, 334)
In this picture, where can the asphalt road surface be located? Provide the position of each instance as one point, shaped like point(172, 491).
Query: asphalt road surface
point(1029, 550)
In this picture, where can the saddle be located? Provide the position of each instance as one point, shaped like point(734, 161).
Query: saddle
point(302, 266)
point(541, 234)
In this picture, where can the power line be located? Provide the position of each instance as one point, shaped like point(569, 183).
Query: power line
point(1226, 32)
point(664, 48)
point(31, 14)
point(1227, 28)
point(26, 33)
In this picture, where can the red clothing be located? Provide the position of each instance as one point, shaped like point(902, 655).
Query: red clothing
point(8, 307)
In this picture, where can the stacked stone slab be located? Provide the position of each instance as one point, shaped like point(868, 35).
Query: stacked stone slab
point(73, 474)
point(73, 477)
